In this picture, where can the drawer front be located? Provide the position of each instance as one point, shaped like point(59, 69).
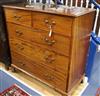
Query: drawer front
point(57, 43)
point(60, 25)
point(40, 55)
point(18, 16)
point(42, 72)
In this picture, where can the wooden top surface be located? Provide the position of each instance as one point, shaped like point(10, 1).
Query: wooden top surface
point(62, 10)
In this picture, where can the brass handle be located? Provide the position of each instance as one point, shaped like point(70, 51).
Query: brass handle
point(51, 23)
point(49, 58)
point(49, 77)
point(49, 41)
point(19, 47)
point(16, 17)
point(50, 26)
point(18, 33)
point(50, 30)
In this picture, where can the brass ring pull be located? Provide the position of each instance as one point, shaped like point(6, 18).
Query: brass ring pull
point(51, 30)
point(49, 41)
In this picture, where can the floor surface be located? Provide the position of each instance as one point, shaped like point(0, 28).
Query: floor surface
point(7, 80)
point(94, 83)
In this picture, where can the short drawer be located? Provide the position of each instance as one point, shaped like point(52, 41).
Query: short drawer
point(18, 16)
point(40, 55)
point(57, 43)
point(59, 24)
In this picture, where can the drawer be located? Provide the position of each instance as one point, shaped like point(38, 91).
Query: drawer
point(57, 43)
point(18, 16)
point(41, 55)
point(42, 72)
point(59, 24)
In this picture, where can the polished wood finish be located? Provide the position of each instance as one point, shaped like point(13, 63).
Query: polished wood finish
point(73, 12)
point(80, 46)
point(53, 47)
point(55, 20)
point(18, 17)
point(40, 36)
point(41, 55)
point(50, 76)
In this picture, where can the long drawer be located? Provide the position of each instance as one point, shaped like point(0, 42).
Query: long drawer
point(57, 43)
point(59, 24)
point(41, 55)
point(43, 72)
point(18, 16)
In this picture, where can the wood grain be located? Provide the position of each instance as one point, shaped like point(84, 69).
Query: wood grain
point(39, 22)
point(58, 59)
point(40, 55)
point(45, 73)
point(41, 37)
point(81, 38)
point(18, 16)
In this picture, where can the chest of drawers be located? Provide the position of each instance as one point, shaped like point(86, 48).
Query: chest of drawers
point(50, 45)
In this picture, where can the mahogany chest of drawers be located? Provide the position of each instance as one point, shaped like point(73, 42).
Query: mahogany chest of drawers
point(49, 44)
